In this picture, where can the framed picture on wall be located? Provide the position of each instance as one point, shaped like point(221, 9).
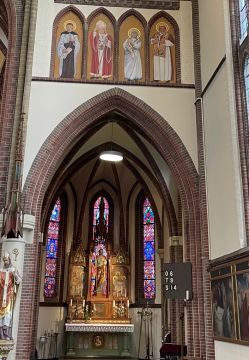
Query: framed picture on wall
point(242, 300)
point(223, 304)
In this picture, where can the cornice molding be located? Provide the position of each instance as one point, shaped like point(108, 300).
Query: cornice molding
point(145, 4)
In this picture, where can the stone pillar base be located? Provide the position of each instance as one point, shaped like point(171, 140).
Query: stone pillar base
point(5, 347)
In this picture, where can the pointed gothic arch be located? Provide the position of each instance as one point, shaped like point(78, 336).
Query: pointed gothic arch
point(147, 122)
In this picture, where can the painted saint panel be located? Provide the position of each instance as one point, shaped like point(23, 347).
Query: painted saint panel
point(2, 60)
point(68, 49)
point(131, 50)
point(162, 52)
point(100, 48)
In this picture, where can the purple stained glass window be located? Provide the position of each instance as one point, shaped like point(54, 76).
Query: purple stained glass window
point(149, 234)
point(149, 289)
point(52, 250)
point(50, 267)
point(49, 287)
point(96, 213)
point(149, 250)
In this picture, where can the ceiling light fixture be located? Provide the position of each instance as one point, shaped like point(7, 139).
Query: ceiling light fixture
point(111, 155)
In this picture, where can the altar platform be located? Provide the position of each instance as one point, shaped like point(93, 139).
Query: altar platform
point(98, 340)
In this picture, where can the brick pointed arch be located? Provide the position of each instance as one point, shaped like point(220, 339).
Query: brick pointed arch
point(160, 134)
point(177, 33)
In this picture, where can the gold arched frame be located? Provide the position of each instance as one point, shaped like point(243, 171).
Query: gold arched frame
point(171, 32)
point(110, 31)
point(69, 16)
point(129, 23)
point(2, 60)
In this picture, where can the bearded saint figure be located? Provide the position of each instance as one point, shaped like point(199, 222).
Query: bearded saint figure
point(9, 280)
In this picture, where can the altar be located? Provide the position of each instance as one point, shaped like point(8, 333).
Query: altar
point(98, 322)
point(99, 340)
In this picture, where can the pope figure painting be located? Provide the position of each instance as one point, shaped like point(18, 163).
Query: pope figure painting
point(101, 44)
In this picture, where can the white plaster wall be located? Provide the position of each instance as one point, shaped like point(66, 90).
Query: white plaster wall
point(50, 319)
point(48, 10)
point(224, 191)
point(222, 170)
point(211, 15)
point(225, 350)
point(50, 103)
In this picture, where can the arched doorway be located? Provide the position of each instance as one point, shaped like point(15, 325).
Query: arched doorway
point(64, 153)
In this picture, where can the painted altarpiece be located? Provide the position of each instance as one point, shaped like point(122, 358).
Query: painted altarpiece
point(98, 293)
point(68, 47)
point(131, 62)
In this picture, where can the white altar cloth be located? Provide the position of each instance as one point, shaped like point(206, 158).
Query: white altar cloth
point(111, 328)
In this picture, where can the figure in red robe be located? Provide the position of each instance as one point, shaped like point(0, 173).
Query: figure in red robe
point(9, 278)
point(101, 45)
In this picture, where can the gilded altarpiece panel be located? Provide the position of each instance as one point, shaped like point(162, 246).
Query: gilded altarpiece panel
point(100, 48)
point(162, 51)
point(68, 47)
point(131, 50)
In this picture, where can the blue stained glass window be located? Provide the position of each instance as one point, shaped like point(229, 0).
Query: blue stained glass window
point(52, 250)
point(243, 19)
point(149, 250)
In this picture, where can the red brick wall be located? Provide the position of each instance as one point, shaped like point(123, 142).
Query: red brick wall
point(157, 131)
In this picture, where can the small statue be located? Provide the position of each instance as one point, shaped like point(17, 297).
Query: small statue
point(9, 280)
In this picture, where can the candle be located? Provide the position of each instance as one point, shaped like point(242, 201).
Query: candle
point(83, 303)
point(71, 302)
point(113, 303)
point(125, 292)
point(128, 304)
point(187, 294)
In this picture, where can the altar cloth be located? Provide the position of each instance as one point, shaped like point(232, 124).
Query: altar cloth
point(111, 328)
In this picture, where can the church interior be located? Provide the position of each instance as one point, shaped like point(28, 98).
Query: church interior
point(124, 166)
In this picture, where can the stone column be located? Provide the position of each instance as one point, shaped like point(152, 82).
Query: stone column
point(16, 248)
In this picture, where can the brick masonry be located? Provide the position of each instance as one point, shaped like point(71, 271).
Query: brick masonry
point(157, 131)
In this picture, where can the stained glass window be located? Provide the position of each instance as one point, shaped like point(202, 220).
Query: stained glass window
point(52, 250)
point(99, 240)
point(149, 250)
point(243, 19)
